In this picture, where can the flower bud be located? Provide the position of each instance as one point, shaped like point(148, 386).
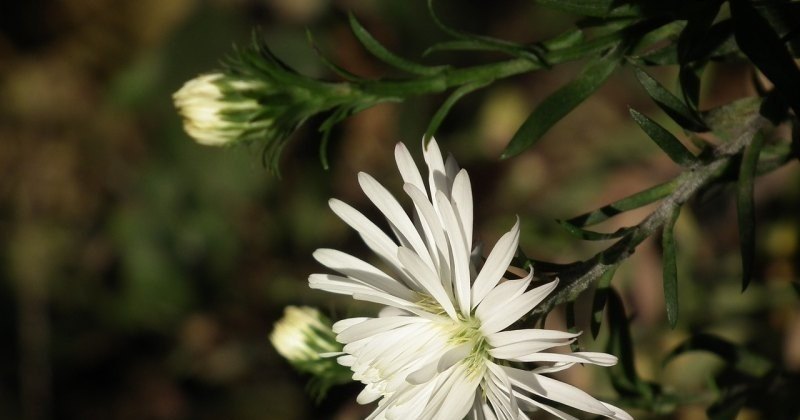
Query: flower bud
point(217, 109)
point(305, 338)
point(302, 334)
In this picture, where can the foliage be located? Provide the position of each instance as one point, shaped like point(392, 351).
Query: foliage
point(610, 35)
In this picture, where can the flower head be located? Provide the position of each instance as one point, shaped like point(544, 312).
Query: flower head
point(439, 349)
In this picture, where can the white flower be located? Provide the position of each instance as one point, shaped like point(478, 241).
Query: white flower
point(213, 114)
point(438, 349)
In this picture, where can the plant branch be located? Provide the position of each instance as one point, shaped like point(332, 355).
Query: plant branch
point(579, 277)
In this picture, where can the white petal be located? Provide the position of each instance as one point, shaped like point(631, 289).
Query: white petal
point(451, 168)
point(500, 389)
point(388, 205)
point(408, 169)
point(496, 264)
point(427, 279)
point(601, 359)
point(532, 404)
point(525, 349)
point(368, 395)
point(373, 236)
point(453, 397)
point(619, 414)
point(375, 326)
point(360, 270)
point(501, 295)
point(346, 323)
point(461, 276)
point(453, 356)
point(556, 391)
point(430, 219)
point(506, 315)
point(437, 174)
point(461, 197)
point(504, 338)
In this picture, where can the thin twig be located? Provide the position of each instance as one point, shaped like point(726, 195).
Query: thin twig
point(579, 277)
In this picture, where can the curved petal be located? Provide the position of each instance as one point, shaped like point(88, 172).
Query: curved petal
point(556, 391)
point(461, 197)
point(496, 264)
point(509, 313)
point(461, 276)
point(429, 282)
point(388, 205)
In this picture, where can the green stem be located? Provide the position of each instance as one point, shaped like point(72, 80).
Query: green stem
point(449, 78)
point(579, 278)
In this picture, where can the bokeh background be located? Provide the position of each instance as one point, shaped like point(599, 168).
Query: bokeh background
point(141, 273)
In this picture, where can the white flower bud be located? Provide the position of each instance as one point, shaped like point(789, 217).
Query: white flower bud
point(207, 110)
point(302, 334)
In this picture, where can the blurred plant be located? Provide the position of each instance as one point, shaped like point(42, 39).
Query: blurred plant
point(736, 142)
point(305, 338)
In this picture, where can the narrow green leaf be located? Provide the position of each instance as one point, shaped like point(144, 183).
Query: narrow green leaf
point(600, 298)
point(451, 100)
point(562, 101)
point(689, 80)
point(758, 40)
point(340, 71)
point(746, 208)
point(489, 44)
point(571, 325)
point(594, 8)
point(664, 139)
point(670, 267)
point(631, 202)
point(623, 375)
point(589, 235)
point(373, 46)
point(565, 40)
point(471, 42)
point(671, 104)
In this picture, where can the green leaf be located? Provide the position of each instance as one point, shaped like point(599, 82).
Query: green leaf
point(746, 208)
point(571, 325)
point(664, 139)
point(565, 40)
point(451, 100)
point(600, 298)
point(758, 40)
point(623, 375)
point(670, 267)
point(562, 101)
point(589, 235)
point(340, 71)
point(471, 42)
point(631, 202)
point(373, 46)
point(594, 8)
point(671, 104)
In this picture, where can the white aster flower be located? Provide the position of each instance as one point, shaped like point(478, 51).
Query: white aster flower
point(438, 350)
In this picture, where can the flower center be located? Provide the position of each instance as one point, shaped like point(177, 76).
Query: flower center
point(468, 332)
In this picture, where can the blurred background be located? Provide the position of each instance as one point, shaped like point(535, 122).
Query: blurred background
point(141, 273)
